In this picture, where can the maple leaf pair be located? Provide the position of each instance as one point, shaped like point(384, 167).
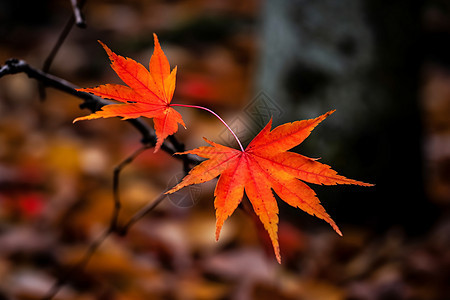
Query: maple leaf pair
point(264, 166)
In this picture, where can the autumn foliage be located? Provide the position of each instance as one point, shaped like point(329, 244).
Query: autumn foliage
point(265, 165)
point(148, 93)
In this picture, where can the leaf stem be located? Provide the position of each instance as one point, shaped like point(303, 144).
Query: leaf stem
point(221, 120)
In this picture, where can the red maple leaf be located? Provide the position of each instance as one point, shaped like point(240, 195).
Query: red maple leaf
point(148, 93)
point(266, 165)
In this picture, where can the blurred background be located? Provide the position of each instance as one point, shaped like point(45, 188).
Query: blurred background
point(384, 65)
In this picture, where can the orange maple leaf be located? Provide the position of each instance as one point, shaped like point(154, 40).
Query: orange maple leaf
point(266, 165)
point(148, 94)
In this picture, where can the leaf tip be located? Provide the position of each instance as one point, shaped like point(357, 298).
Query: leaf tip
point(182, 153)
point(276, 249)
point(176, 188)
point(326, 115)
point(218, 228)
point(104, 46)
point(78, 119)
point(208, 141)
point(155, 37)
point(159, 142)
point(111, 54)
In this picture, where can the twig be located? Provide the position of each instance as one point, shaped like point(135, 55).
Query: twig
point(93, 103)
point(51, 56)
point(113, 226)
point(79, 18)
point(64, 33)
point(178, 145)
point(77, 267)
point(140, 214)
point(75, 18)
point(116, 176)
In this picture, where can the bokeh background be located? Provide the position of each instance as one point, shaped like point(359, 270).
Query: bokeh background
point(384, 65)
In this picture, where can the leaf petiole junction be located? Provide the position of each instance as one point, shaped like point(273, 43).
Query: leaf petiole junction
point(216, 115)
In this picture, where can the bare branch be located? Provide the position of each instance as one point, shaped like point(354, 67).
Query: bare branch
point(140, 214)
point(79, 18)
point(77, 267)
point(93, 103)
point(75, 18)
point(64, 33)
point(116, 176)
point(113, 226)
point(51, 56)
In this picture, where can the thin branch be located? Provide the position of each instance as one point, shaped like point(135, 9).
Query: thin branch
point(51, 56)
point(79, 18)
point(113, 226)
point(77, 267)
point(93, 103)
point(64, 33)
point(75, 18)
point(178, 145)
point(116, 176)
point(140, 214)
